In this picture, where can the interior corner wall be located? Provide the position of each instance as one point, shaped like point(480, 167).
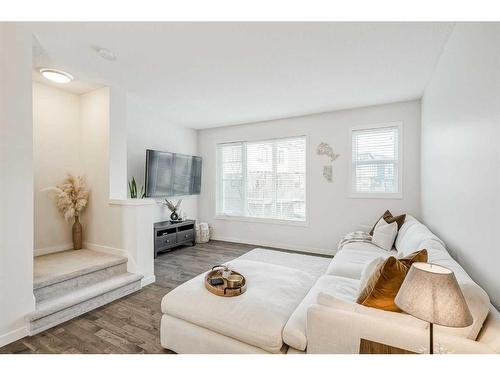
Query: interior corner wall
point(16, 182)
point(102, 222)
point(56, 143)
point(331, 211)
point(147, 129)
point(461, 151)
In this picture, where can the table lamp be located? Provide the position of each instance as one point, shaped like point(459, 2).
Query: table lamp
point(431, 293)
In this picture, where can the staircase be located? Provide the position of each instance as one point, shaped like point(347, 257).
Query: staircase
point(70, 283)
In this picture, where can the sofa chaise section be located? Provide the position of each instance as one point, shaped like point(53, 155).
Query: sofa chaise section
point(255, 318)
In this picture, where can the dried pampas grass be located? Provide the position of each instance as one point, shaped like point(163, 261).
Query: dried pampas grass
point(72, 196)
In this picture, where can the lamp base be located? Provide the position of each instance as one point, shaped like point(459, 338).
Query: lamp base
point(431, 338)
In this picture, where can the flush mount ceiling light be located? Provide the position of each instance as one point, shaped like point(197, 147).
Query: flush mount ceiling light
point(55, 75)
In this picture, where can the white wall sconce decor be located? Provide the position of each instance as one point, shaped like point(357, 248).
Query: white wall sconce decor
point(327, 150)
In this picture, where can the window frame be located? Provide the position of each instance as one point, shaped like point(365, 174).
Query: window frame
point(400, 165)
point(218, 188)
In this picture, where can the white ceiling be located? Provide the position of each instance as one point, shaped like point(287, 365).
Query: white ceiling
point(204, 75)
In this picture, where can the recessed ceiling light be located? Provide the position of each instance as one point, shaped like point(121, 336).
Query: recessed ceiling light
point(55, 75)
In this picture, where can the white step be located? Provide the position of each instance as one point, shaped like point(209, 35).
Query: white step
point(60, 273)
point(56, 310)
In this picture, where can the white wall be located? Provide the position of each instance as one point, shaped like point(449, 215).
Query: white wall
point(56, 148)
point(146, 129)
point(16, 182)
point(331, 212)
point(461, 151)
point(100, 220)
point(116, 226)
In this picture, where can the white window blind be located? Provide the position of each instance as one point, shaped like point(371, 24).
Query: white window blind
point(375, 160)
point(265, 179)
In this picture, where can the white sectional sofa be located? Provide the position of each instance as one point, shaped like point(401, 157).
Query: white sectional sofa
point(299, 303)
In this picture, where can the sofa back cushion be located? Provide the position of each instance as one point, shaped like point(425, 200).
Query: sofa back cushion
point(412, 235)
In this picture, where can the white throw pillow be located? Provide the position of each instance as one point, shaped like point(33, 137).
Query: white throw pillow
point(384, 234)
point(368, 270)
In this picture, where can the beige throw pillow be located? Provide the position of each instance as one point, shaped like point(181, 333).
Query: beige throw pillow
point(384, 234)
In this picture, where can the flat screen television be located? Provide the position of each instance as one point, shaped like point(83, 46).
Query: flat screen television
point(169, 174)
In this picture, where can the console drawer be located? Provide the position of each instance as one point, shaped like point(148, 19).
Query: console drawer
point(185, 235)
point(164, 242)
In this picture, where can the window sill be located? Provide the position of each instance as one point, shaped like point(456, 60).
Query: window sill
point(376, 195)
point(262, 220)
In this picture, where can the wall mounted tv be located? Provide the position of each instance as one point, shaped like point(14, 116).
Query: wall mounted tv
point(169, 174)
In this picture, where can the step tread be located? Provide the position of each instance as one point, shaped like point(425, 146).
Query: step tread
point(58, 267)
point(52, 305)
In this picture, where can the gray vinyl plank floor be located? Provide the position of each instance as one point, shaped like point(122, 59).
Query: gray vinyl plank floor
point(130, 324)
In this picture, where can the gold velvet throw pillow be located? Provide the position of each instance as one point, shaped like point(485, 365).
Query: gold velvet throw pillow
point(383, 285)
point(387, 216)
point(417, 256)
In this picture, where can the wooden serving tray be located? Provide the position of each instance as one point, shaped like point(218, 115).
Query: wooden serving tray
point(222, 290)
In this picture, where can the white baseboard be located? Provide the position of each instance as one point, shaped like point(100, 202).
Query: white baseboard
point(52, 249)
point(304, 249)
point(146, 280)
point(105, 249)
point(13, 335)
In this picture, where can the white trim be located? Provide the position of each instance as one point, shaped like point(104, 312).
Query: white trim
point(13, 335)
point(304, 249)
point(250, 219)
point(399, 194)
point(146, 280)
point(105, 249)
point(52, 249)
point(132, 202)
point(131, 264)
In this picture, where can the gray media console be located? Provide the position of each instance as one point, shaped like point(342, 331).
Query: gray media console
point(168, 235)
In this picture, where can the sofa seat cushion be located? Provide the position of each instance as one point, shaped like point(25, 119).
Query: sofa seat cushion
point(350, 263)
point(343, 288)
point(313, 265)
point(257, 317)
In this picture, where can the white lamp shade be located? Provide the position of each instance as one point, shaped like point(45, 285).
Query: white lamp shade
point(431, 292)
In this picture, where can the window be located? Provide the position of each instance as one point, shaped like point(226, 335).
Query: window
point(265, 179)
point(376, 161)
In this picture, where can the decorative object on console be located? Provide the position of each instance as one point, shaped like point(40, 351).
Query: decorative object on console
point(132, 188)
point(174, 208)
point(325, 149)
point(387, 216)
point(72, 197)
point(431, 293)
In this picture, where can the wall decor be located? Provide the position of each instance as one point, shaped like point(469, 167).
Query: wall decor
point(328, 172)
point(327, 150)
